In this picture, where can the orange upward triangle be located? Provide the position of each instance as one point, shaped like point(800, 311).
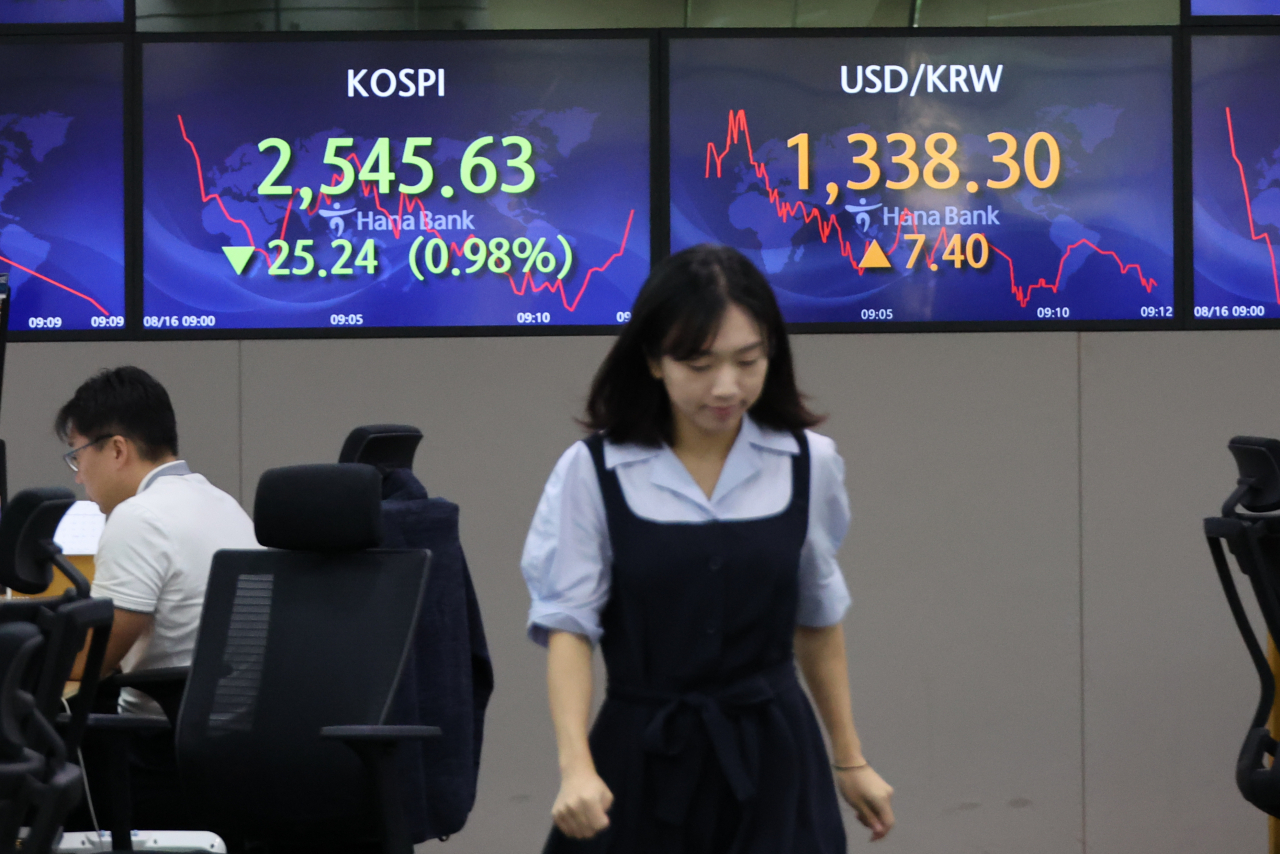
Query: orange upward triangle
point(874, 259)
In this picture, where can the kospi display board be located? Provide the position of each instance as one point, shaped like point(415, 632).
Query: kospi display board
point(933, 179)
point(62, 233)
point(451, 183)
point(61, 12)
point(1235, 151)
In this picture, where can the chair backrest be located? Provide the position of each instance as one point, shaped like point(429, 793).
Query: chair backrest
point(388, 446)
point(18, 643)
point(28, 557)
point(1252, 536)
point(311, 632)
point(26, 526)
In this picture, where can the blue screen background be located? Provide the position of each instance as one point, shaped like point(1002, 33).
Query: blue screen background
point(61, 11)
point(62, 185)
point(1107, 102)
point(1236, 260)
point(1235, 7)
point(582, 104)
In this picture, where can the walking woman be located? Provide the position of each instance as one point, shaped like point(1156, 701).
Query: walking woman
point(693, 536)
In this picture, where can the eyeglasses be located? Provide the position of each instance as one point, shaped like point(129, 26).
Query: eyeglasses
point(71, 456)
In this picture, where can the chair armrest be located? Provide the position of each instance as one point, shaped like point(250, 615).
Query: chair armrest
point(165, 685)
point(357, 733)
point(121, 723)
point(142, 678)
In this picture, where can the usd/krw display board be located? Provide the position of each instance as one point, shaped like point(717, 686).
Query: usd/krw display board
point(453, 183)
point(933, 179)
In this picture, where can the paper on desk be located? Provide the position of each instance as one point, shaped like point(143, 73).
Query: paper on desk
point(80, 529)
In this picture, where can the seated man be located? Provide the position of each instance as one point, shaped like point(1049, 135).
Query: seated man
point(164, 524)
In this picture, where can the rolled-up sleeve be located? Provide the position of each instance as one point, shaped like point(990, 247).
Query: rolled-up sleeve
point(567, 554)
point(824, 596)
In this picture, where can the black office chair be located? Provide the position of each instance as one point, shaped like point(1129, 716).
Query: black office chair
point(21, 767)
point(282, 737)
point(28, 557)
point(1252, 534)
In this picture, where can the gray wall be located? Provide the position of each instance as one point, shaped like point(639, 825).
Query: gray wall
point(1041, 656)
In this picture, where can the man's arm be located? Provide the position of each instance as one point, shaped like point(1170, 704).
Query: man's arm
point(126, 628)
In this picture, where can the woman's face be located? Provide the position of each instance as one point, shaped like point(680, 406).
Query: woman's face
point(712, 391)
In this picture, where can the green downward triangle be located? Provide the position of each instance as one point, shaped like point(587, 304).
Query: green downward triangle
point(238, 256)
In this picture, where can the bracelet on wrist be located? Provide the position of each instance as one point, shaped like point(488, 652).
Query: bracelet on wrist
point(839, 767)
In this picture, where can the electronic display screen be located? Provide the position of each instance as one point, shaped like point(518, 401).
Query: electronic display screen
point(62, 184)
point(1235, 7)
point(61, 12)
point(453, 183)
point(932, 179)
point(1235, 175)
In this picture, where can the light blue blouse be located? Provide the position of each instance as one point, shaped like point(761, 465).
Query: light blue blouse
point(567, 555)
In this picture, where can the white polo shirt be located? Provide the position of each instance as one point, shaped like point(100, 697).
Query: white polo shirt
point(154, 558)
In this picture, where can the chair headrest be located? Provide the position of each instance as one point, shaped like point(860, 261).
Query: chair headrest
point(319, 508)
point(387, 445)
point(1258, 461)
point(30, 517)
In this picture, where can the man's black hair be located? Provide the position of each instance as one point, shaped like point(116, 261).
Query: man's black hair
point(677, 313)
point(124, 401)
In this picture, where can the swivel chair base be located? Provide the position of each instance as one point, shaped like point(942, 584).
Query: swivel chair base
point(160, 841)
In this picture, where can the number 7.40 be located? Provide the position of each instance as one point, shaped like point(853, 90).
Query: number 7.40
point(975, 251)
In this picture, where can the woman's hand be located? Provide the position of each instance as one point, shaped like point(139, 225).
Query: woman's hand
point(582, 806)
point(869, 796)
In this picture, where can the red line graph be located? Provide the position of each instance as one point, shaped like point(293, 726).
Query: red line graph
point(96, 304)
point(205, 196)
point(786, 210)
point(1248, 206)
point(406, 205)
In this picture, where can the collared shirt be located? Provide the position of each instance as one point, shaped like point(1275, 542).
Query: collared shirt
point(154, 558)
point(567, 555)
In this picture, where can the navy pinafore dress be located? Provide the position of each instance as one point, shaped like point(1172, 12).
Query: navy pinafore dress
point(705, 738)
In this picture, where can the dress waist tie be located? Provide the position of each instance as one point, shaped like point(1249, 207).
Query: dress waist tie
point(685, 724)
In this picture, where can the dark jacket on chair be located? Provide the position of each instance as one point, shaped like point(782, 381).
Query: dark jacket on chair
point(448, 678)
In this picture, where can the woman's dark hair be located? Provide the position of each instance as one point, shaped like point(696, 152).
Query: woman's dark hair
point(125, 401)
point(677, 314)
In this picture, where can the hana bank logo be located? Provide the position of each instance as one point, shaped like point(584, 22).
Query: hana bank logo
point(336, 223)
point(423, 220)
point(862, 209)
